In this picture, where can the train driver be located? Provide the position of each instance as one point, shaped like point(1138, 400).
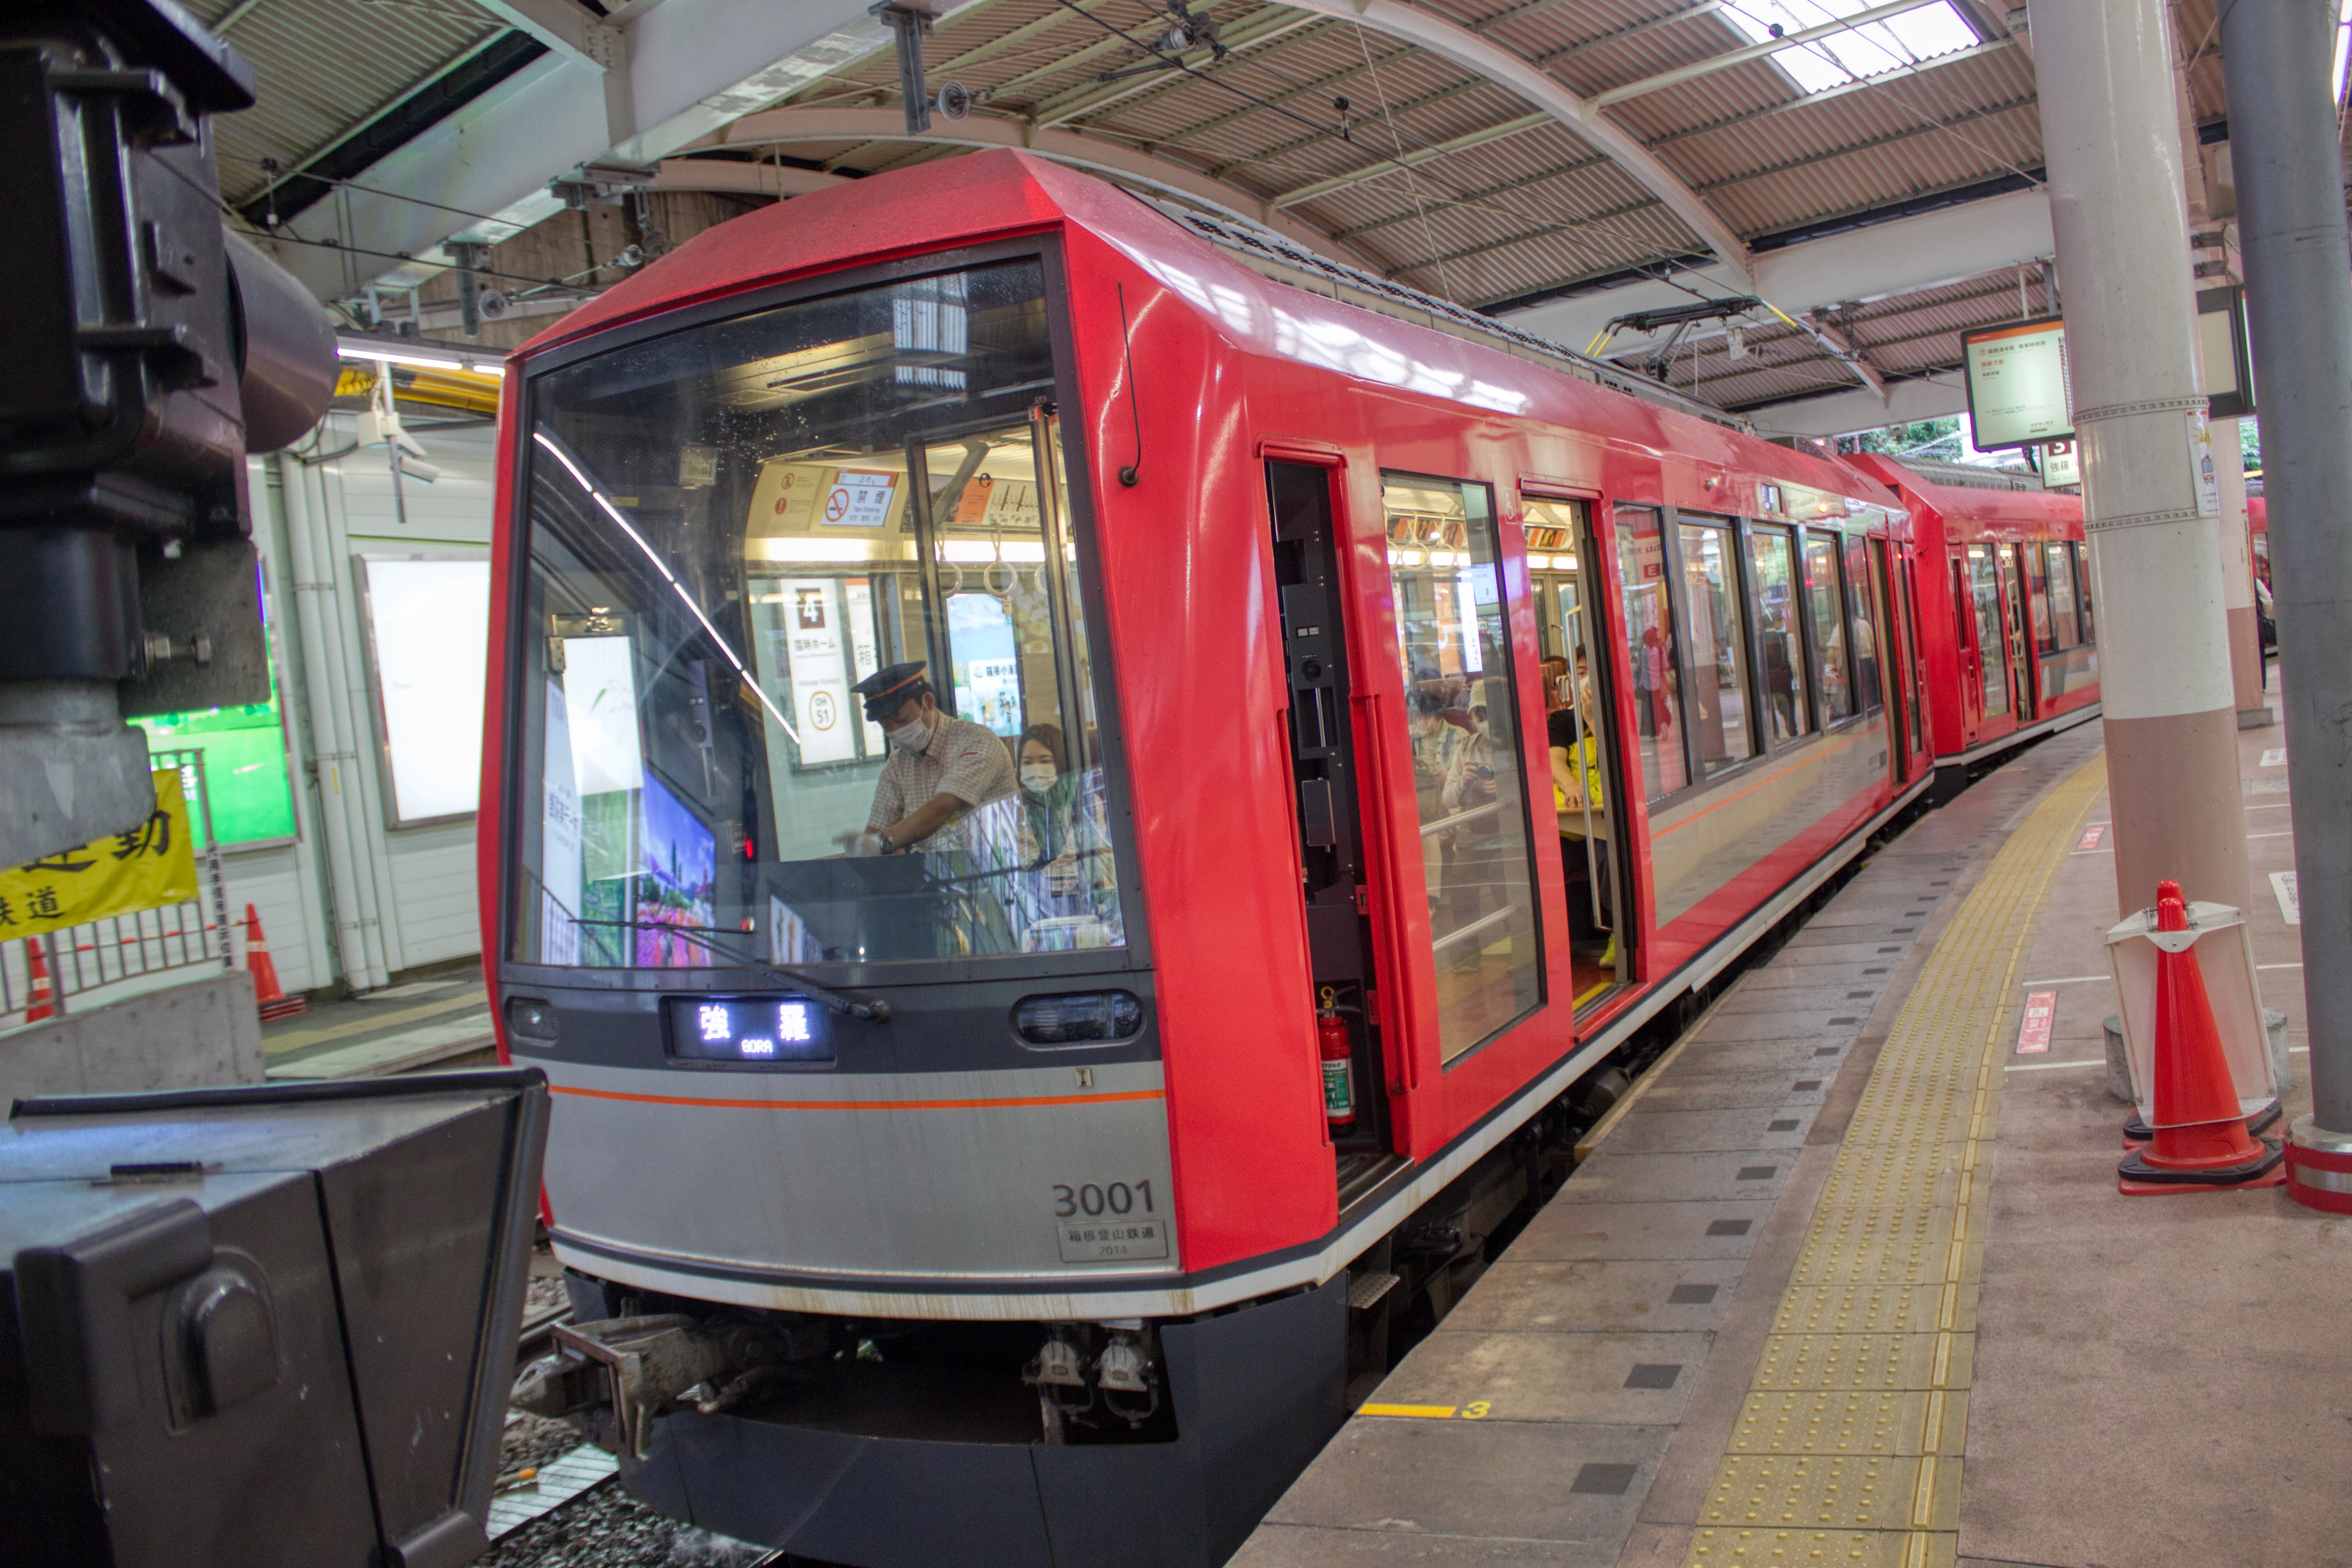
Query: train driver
point(940, 766)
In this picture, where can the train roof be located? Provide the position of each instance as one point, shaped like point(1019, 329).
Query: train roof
point(1001, 194)
point(2034, 508)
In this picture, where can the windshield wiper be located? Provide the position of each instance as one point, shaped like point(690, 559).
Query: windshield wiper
point(873, 1009)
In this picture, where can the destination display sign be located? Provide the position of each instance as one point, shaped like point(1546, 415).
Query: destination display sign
point(2017, 393)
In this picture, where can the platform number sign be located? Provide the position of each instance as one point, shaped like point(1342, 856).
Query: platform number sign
point(2033, 1030)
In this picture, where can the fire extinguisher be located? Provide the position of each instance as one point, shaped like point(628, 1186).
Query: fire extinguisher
point(1337, 1051)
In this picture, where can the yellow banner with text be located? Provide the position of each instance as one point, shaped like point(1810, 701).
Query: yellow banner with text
point(150, 866)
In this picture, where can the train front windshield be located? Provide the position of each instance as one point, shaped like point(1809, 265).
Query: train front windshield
point(730, 526)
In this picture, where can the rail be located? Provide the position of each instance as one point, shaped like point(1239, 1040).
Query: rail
point(1458, 818)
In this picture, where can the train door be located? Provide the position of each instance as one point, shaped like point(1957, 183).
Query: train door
point(1893, 638)
point(1330, 825)
point(1968, 663)
point(1906, 582)
point(1471, 795)
point(2020, 634)
point(1579, 720)
point(1991, 631)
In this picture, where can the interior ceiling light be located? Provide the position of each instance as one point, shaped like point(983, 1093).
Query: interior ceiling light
point(1871, 48)
point(349, 348)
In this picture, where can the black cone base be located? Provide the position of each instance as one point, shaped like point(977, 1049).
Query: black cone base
point(2135, 1176)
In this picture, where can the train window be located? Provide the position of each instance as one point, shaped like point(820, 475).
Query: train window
point(2037, 596)
point(1825, 627)
point(1717, 644)
point(1862, 619)
point(2065, 614)
point(734, 526)
point(1453, 647)
point(1788, 709)
point(2066, 663)
point(1650, 643)
point(1992, 642)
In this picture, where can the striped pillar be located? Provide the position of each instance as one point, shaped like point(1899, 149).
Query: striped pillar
point(2151, 497)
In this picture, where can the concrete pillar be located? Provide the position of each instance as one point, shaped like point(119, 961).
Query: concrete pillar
point(2113, 143)
point(2290, 178)
point(2238, 580)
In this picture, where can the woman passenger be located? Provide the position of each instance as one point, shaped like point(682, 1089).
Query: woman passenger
point(1580, 802)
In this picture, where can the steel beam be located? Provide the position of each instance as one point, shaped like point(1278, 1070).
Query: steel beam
point(1466, 49)
point(1898, 257)
point(1859, 409)
point(1827, 94)
point(1741, 57)
point(1308, 191)
point(786, 127)
point(493, 159)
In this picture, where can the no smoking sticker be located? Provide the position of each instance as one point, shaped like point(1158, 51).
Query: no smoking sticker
point(859, 500)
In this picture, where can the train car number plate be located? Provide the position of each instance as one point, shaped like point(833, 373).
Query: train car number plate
point(1111, 1240)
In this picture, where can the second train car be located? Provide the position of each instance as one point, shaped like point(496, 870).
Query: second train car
point(2009, 634)
point(998, 1123)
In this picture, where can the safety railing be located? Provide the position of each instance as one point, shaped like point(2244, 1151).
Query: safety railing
point(146, 944)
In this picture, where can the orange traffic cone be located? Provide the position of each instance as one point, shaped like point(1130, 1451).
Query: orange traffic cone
point(41, 1002)
point(275, 1003)
point(2200, 1141)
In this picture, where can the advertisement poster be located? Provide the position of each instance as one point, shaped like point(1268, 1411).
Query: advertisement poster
point(2018, 390)
point(2201, 471)
point(677, 878)
point(987, 662)
point(862, 651)
point(559, 857)
point(821, 703)
point(429, 627)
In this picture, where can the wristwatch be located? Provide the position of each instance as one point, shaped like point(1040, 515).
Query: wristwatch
point(884, 834)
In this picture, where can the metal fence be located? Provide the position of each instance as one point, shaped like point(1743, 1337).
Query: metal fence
point(86, 958)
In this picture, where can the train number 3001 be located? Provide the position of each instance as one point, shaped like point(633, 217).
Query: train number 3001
point(1099, 1200)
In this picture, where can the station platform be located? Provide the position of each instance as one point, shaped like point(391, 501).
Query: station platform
point(1848, 1279)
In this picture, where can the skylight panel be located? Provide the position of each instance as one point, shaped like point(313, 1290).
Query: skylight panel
point(1849, 54)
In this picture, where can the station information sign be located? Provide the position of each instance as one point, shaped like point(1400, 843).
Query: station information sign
point(2018, 391)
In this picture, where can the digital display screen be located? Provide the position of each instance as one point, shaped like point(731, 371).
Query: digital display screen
point(2018, 392)
point(755, 1031)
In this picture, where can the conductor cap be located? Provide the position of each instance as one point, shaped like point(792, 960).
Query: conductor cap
point(888, 689)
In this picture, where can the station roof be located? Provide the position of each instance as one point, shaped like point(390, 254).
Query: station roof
point(1872, 172)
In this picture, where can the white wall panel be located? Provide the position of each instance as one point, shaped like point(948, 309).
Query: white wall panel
point(271, 881)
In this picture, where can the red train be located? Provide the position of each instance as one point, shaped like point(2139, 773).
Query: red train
point(1073, 797)
point(2011, 649)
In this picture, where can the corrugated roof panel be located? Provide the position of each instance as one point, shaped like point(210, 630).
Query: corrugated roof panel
point(326, 68)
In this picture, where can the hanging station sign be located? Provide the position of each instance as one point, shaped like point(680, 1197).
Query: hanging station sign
point(2223, 364)
point(2017, 393)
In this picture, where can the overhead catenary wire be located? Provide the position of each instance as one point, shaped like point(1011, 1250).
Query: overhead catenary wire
point(1432, 150)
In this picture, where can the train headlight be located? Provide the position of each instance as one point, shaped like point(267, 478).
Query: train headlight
point(1084, 1018)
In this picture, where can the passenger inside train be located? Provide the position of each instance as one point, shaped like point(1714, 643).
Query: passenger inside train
point(834, 540)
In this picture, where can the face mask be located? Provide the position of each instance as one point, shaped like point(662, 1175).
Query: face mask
point(1038, 778)
point(911, 737)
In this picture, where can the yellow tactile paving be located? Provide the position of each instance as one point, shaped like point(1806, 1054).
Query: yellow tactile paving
point(1848, 1448)
point(1876, 1307)
point(1824, 1421)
